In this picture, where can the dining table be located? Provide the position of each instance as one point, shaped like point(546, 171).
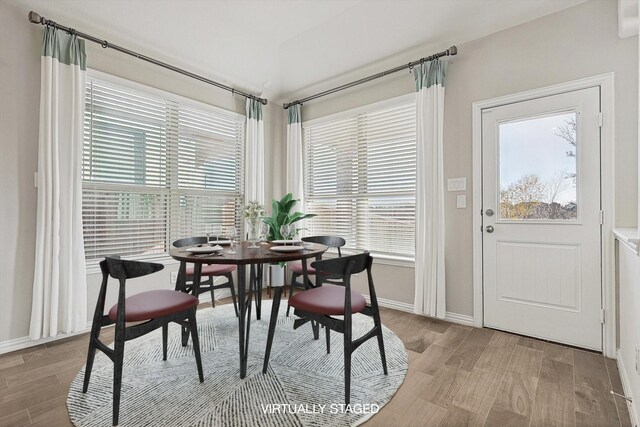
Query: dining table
point(254, 258)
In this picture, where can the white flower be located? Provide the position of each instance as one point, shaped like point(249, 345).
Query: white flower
point(253, 210)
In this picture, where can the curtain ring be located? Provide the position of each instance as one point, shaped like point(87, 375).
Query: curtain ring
point(104, 44)
point(71, 31)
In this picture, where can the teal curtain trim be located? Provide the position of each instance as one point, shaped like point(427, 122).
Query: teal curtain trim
point(254, 109)
point(429, 74)
point(65, 48)
point(294, 114)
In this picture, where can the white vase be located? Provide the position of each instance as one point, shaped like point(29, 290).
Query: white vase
point(276, 275)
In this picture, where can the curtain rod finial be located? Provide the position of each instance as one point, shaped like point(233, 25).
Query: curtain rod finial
point(453, 50)
point(35, 18)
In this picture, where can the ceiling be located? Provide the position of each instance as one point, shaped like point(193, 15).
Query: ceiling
point(278, 48)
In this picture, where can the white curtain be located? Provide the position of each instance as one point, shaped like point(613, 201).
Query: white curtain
point(254, 154)
point(59, 303)
point(294, 179)
point(429, 265)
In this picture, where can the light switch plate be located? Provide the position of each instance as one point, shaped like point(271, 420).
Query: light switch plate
point(457, 184)
point(461, 201)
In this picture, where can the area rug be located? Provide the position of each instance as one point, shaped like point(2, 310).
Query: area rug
point(303, 387)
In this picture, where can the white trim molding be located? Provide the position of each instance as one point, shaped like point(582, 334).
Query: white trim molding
point(606, 84)
point(626, 387)
point(394, 305)
point(462, 319)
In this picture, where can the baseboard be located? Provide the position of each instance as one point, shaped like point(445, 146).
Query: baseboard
point(26, 342)
point(395, 305)
point(627, 389)
point(461, 319)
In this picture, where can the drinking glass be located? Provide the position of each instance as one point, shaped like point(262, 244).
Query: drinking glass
point(264, 231)
point(285, 229)
point(208, 232)
point(221, 232)
point(231, 235)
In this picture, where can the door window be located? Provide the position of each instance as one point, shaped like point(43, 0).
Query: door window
point(538, 174)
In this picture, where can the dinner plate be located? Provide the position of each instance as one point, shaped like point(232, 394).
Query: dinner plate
point(290, 248)
point(285, 242)
point(204, 249)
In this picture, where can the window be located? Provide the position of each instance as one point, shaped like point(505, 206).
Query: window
point(360, 177)
point(156, 167)
point(538, 168)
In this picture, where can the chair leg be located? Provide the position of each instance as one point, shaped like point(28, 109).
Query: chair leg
point(292, 286)
point(196, 342)
point(378, 325)
point(91, 354)
point(229, 277)
point(165, 338)
point(328, 335)
point(213, 297)
point(117, 374)
point(347, 366)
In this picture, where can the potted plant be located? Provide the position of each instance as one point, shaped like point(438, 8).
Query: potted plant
point(281, 214)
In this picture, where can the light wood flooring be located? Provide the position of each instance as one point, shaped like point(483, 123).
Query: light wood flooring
point(458, 376)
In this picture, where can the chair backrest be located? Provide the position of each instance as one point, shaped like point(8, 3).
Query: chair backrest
point(331, 241)
point(190, 241)
point(127, 269)
point(344, 267)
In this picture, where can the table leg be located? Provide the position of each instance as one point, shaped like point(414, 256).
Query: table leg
point(275, 307)
point(244, 316)
point(258, 289)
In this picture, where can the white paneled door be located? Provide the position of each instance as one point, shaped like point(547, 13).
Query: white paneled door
point(542, 218)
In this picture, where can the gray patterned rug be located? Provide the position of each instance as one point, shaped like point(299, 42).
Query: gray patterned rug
point(303, 387)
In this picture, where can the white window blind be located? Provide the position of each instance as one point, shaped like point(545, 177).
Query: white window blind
point(156, 168)
point(360, 177)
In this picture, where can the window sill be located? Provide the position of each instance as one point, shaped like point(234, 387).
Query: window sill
point(93, 266)
point(378, 258)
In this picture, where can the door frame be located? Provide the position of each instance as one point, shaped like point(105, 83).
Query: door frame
point(607, 174)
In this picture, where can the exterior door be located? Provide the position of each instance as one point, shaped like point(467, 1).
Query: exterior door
point(542, 218)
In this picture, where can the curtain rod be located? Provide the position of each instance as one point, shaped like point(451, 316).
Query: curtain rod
point(38, 19)
point(449, 52)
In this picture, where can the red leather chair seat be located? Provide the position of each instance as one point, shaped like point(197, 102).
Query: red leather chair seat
point(327, 299)
point(296, 267)
point(214, 270)
point(152, 304)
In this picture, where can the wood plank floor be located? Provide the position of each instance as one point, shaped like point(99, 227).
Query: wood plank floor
point(458, 376)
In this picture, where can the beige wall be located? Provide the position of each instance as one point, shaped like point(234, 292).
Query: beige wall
point(575, 43)
point(19, 103)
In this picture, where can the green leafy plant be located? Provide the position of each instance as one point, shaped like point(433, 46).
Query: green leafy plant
point(281, 214)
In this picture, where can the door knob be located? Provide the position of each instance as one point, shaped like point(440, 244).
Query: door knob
point(489, 228)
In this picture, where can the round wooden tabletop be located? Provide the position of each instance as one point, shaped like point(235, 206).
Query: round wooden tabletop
point(245, 255)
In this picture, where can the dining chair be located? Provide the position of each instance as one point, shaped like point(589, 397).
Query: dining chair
point(211, 271)
point(154, 309)
point(296, 267)
point(321, 303)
